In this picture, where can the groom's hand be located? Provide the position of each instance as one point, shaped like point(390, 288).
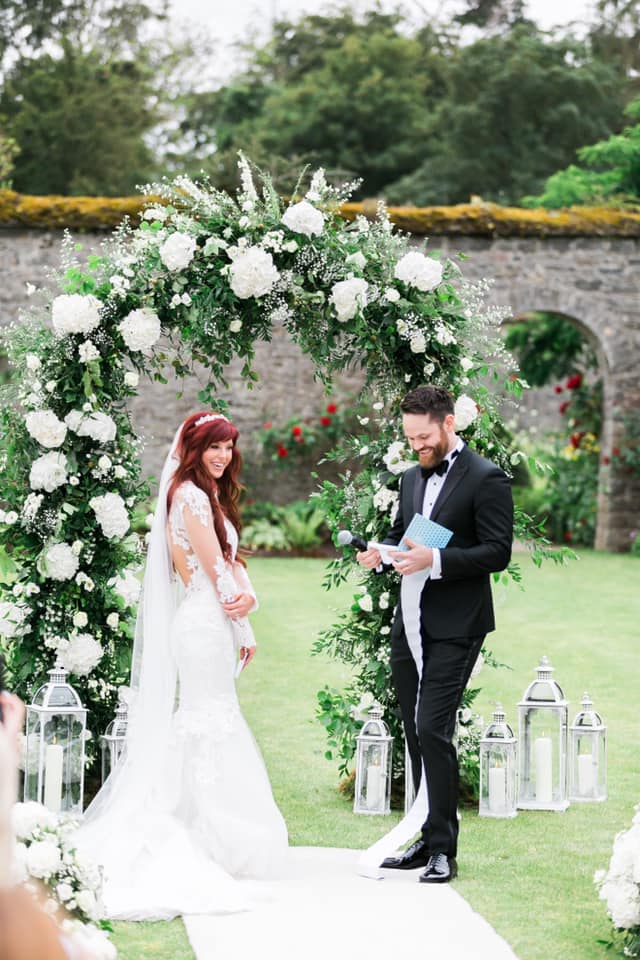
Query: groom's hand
point(416, 558)
point(369, 558)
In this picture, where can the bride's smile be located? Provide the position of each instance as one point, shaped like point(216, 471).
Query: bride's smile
point(217, 456)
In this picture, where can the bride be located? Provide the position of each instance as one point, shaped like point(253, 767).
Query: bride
point(188, 815)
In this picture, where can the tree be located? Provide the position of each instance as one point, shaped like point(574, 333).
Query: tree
point(611, 173)
point(80, 122)
point(514, 105)
point(354, 96)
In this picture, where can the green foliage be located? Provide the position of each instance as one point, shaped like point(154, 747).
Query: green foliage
point(51, 104)
point(611, 172)
point(548, 346)
point(297, 526)
point(515, 106)
point(9, 150)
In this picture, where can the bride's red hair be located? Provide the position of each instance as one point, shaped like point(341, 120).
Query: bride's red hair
point(223, 493)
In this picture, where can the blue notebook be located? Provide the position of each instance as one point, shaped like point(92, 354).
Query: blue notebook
point(426, 532)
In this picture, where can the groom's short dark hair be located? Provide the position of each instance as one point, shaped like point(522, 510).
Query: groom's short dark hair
point(434, 401)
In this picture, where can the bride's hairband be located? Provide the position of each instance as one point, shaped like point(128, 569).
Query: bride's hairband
point(208, 417)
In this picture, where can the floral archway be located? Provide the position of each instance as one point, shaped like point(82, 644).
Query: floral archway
point(210, 274)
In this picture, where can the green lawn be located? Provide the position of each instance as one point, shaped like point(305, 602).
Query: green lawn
point(530, 877)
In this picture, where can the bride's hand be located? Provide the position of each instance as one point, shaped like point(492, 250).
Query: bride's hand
point(239, 606)
point(249, 653)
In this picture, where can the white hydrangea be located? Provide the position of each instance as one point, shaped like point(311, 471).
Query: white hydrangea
point(391, 295)
point(140, 329)
point(96, 425)
point(252, 272)
point(45, 428)
point(465, 412)
point(348, 297)
point(75, 313)
point(88, 940)
point(155, 213)
point(48, 472)
point(80, 654)
point(128, 586)
point(385, 500)
point(131, 378)
point(59, 562)
point(177, 251)
point(365, 602)
point(417, 342)
point(12, 618)
point(30, 816)
point(358, 259)
point(417, 270)
point(304, 218)
point(443, 334)
point(87, 352)
point(43, 859)
point(111, 514)
point(394, 458)
point(33, 362)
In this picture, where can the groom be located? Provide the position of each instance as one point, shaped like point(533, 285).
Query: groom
point(450, 612)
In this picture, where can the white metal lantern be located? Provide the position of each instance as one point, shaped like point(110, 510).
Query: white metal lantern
point(373, 765)
point(113, 740)
point(54, 753)
point(542, 722)
point(498, 768)
point(587, 755)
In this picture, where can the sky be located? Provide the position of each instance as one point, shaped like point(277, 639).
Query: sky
point(228, 20)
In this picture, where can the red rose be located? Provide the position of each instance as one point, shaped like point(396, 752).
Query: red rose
point(563, 406)
point(575, 439)
point(296, 431)
point(574, 382)
point(558, 388)
point(332, 408)
point(606, 461)
point(616, 451)
point(568, 537)
point(325, 421)
point(282, 452)
point(267, 425)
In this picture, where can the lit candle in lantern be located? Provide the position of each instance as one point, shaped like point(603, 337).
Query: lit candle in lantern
point(53, 764)
point(585, 774)
point(497, 789)
point(374, 785)
point(543, 752)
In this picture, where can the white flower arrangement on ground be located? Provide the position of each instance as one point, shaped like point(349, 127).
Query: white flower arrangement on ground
point(619, 887)
point(45, 852)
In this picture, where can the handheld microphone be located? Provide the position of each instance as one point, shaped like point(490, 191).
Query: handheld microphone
point(348, 539)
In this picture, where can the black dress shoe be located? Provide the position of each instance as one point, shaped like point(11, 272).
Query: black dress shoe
point(417, 855)
point(440, 869)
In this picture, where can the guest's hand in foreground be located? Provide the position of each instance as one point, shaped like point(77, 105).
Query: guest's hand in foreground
point(417, 557)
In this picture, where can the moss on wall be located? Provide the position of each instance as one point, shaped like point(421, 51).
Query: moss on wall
point(467, 219)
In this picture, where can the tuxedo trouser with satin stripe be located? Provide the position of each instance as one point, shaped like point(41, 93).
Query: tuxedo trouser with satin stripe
point(447, 666)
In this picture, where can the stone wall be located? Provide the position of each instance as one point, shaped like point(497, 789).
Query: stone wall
point(594, 281)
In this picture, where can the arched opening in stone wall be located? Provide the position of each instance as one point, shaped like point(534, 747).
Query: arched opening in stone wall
point(561, 419)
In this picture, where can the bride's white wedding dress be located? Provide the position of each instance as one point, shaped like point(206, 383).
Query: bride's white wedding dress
point(181, 838)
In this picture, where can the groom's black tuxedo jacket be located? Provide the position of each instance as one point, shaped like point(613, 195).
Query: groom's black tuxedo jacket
point(475, 502)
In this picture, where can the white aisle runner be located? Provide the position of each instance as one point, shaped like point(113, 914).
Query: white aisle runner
point(323, 909)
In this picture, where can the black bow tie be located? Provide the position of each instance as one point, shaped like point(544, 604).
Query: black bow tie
point(440, 469)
